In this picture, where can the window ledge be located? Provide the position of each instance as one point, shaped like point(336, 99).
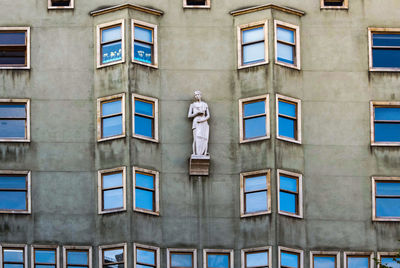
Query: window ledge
point(53, 8)
point(109, 64)
point(15, 212)
point(287, 65)
point(252, 65)
point(255, 139)
point(112, 138)
point(288, 139)
point(145, 138)
point(15, 68)
point(197, 7)
point(155, 66)
point(255, 214)
point(385, 144)
point(155, 213)
point(15, 140)
point(384, 69)
point(334, 7)
point(386, 219)
point(112, 211)
point(290, 215)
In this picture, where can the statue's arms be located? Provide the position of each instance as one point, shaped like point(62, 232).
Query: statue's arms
point(206, 114)
point(190, 113)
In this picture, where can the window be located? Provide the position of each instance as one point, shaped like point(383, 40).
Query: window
point(13, 256)
point(287, 44)
point(290, 258)
point(15, 120)
point(144, 44)
point(325, 259)
point(146, 256)
point(45, 256)
point(386, 198)
point(79, 257)
point(111, 117)
point(288, 121)
point(113, 256)
point(112, 193)
point(196, 3)
point(15, 191)
point(290, 198)
point(385, 123)
point(14, 47)
point(253, 44)
point(145, 117)
point(56, 4)
point(358, 259)
point(110, 43)
point(218, 258)
point(255, 194)
point(390, 259)
point(335, 4)
point(254, 118)
point(384, 49)
point(181, 258)
point(146, 191)
point(256, 257)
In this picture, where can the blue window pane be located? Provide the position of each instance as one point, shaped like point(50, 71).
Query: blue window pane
point(324, 262)
point(143, 34)
point(45, 266)
point(285, 53)
point(12, 128)
point(386, 39)
point(286, 108)
point(45, 256)
point(287, 202)
point(286, 127)
point(386, 58)
point(257, 259)
point(12, 111)
point(253, 53)
point(389, 132)
point(255, 127)
point(75, 266)
point(289, 260)
point(111, 34)
point(144, 126)
point(358, 262)
point(112, 107)
point(256, 202)
point(13, 200)
point(12, 38)
point(217, 261)
point(143, 266)
point(386, 113)
point(255, 183)
point(144, 199)
point(112, 126)
point(114, 255)
point(388, 207)
point(142, 107)
point(254, 108)
point(144, 180)
point(113, 199)
point(252, 35)
point(77, 257)
point(181, 260)
point(285, 35)
point(12, 182)
point(14, 266)
point(112, 180)
point(145, 256)
point(390, 262)
point(388, 188)
point(13, 255)
point(111, 52)
point(142, 52)
point(287, 183)
point(121, 265)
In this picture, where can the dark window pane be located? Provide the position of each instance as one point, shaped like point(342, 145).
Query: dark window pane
point(287, 202)
point(45, 256)
point(142, 107)
point(333, 3)
point(112, 107)
point(255, 183)
point(14, 266)
point(145, 180)
point(386, 58)
point(287, 183)
point(121, 265)
point(111, 52)
point(388, 207)
point(286, 127)
point(358, 262)
point(256, 201)
point(254, 108)
point(9, 38)
point(143, 52)
point(386, 40)
point(285, 35)
point(77, 257)
point(112, 126)
point(289, 260)
point(60, 3)
point(257, 259)
point(13, 255)
point(390, 262)
point(13, 200)
point(111, 34)
point(144, 199)
point(12, 56)
point(113, 255)
point(12, 111)
point(389, 132)
point(288, 109)
point(12, 182)
point(252, 35)
point(217, 261)
point(143, 34)
point(387, 113)
point(112, 180)
point(388, 188)
point(196, 2)
point(181, 260)
point(144, 126)
point(324, 262)
point(113, 199)
point(254, 127)
point(12, 129)
point(145, 256)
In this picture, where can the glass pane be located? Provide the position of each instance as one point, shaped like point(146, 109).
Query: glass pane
point(288, 109)
point(388, 188)
point(217, 261)
point(113, 255)
point(253, 53)
point(121, 265)
point(196, 2)
point(289, 260)
point(390, 262)
point(287, 202)
point(358, 262)
point(389, 132)
point(256, 201)
point(287, 183)
point(12, 111)
point(143, 52)
point(12, 38)
point(286, 127)
point(14, 266)
point(13, 200)
point(77, 257)
point(337, 3)
point(111, 34)
point(324, 262)
point(145, 180)
point(252, 35)
point(45, 266)
point(257, 259)
point(112, 107)
point(143, 126)
point(388, 207)
point(12, 129)
point(255, 127)
point(285, 35)
point(254, 108)
point(113, 199)
point(60, 3)
point(77, 266)
point(255, 183)
point(143, 266)
point(181, 260)
point(12, 56)
point(111, 52)
point(142, 107)
point(143, 34)
point(112, 126)
point(387, 113)
point(389, 58)
point(13, 255)
point(112, 180)
point(145, 256)
point(285, 53)
point(144, 199)
point(45, 256)
point(11, 182)
point(386, 40)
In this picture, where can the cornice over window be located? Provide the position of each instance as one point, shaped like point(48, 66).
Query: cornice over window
point(109, 9)
point(267, 6)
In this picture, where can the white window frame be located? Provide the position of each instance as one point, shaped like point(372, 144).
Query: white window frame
point(83, 248)
point(344, 6)
point(379, 255)
point(155, 42)
point(218, 251)
point(372, 117)
point(28, 192)
point(100, 200)
point(243, 175)
point(330, 253)
point(295, 28)
point(371, 30)
point(28, 48)
point(155, 103)
point(156, 175)
point(56, 247)
point(50, 6)
point(240, 28)
point(298, 111)
point(248, 250)
point(300, 194)
point(267, 118)
point(181, 250)
point(207, 5)
point(370, 255)
point(105, 247)
point(99, 116)
point(98, 42)
point(24, 247)
point(374, 181)
point(28, 119)
point(156, 249)
point(294, 251)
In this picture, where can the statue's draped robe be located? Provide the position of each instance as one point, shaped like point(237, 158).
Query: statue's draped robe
point(200, 130)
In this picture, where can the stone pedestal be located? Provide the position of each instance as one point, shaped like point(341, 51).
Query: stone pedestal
point(199, 165)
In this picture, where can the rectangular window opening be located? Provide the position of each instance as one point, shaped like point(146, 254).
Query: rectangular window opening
point(146, 192)
point(254, 118)
point(288, 119)
point(77, 257)
point(182, 258)
point(386, 198)
point(256, 258)
point(112, 190)
point(14, 120)
point(218, 258)
point(196, 3)
point(384, 49)
point(287, 47)
point(14, 47)
point(111, 114)
point(146, 256)
point(255, 193)
point(390, 259)
point(290, 258)
point(61, 4)
point(14, 256)
point(385, 123)
point(113, 256)
point(324, 259)
point(290, 193)
point(144, 43)
point(15, 192)
point(145, 117)
point(110, 43)
point(45, 257)
point(358, 259)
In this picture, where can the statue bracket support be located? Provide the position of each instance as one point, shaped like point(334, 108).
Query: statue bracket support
point(199, 165)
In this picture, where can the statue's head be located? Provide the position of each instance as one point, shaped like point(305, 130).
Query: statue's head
point(197, 95)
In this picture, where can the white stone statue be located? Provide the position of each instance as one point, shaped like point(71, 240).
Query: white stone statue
point(199, 112)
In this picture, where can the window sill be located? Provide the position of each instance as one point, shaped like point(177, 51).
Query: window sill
point(254, 139)
point(290, 215)
point(155, 66)
point(53, 8)
point(15, 140)
point(386, 219)
point(110, 64)
point(111, 138)
point(385, 144)
point(155, 213)
point(252, 65)
point(15, 68)
point(15, 212)
point(112, 211)
point(145, 138)
point(384, 69)
point(255, 214)
point(288, 139)
point(287, 65)
point(335, 7)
